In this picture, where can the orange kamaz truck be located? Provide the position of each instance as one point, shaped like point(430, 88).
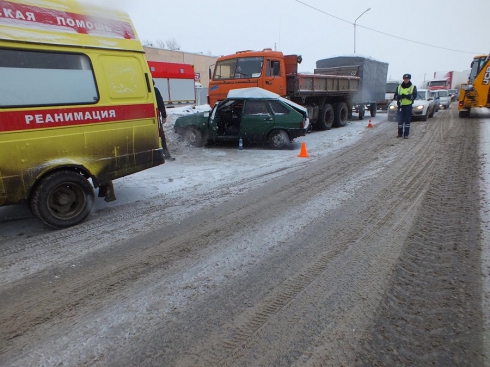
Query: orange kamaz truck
point(77, 107)
point(336, 87)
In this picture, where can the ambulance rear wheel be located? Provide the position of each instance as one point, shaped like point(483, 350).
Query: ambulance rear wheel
point(62, 199)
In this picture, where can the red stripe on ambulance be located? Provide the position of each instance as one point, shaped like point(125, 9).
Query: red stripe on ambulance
point(49, 118)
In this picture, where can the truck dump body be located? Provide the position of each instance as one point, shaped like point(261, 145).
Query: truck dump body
point(372, 75)
point(301, 84)
point(315, 84)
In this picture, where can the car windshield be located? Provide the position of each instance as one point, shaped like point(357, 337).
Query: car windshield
point(391, 87)
point(421, 95)
point(443, 93)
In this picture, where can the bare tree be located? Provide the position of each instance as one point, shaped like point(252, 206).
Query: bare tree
point(146, 43)
point(161, 44)
point(172, 44)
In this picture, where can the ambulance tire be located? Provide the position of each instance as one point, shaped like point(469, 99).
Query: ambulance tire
point(62, 199)
point(341, 114)
point(193, 137)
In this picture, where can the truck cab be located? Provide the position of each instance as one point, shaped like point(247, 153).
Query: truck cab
point(264, 69)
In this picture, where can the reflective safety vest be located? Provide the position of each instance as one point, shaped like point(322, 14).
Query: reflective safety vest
point(403, 92)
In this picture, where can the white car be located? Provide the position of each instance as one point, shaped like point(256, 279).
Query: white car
point(423, 107)
point(453, 93)
point(445, 98)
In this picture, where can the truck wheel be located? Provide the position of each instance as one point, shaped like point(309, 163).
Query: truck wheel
point(464, 114)
point(373, 108)
point(62, 199)
point(279, 139)
point(340, 114)
point(193, 136)
point(362, 112)
point(325, 121)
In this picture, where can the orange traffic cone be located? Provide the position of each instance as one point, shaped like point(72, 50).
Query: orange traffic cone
point(370, 124)
point(302, 153)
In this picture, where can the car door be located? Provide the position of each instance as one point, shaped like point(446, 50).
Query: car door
point(256, 120)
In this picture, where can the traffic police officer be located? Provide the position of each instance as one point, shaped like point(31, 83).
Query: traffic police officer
point(404, 95)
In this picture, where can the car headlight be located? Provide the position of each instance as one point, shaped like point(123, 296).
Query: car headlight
point(392, 107)
point(419, 107)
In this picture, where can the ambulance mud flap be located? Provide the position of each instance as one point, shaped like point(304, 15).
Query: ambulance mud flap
point(107, 192)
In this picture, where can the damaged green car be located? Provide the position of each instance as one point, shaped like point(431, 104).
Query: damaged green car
point(252, 114)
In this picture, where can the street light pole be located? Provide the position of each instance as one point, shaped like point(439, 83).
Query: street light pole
point(355, 25)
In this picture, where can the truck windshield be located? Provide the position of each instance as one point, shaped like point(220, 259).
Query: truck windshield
point(245, 67)
point(437, 83)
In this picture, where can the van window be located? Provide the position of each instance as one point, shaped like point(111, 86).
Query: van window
point(34, 78)
point(124, 77)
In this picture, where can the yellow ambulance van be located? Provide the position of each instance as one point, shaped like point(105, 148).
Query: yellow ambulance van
point(76, 105)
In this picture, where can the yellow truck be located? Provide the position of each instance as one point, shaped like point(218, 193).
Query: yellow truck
point(476, 93)
point(76, 104)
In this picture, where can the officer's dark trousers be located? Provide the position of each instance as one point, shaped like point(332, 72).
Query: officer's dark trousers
point(404, 118)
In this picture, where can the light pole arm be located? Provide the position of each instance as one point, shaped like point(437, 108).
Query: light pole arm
point(355, 25)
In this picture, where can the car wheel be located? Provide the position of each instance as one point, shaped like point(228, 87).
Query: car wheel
point(340, 114)
point(424, 117)
point(193, 137)
point(325, 121)
point(62, 199)
point(279, 139)
point(432, 112)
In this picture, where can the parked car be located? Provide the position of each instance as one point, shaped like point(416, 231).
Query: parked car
point(453, 93)
point(391, 86)
point(252, 114)
point(445, 98)
point(423, 107)
point(437, 101)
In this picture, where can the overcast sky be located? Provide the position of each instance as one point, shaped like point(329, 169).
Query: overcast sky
point(417, 37)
